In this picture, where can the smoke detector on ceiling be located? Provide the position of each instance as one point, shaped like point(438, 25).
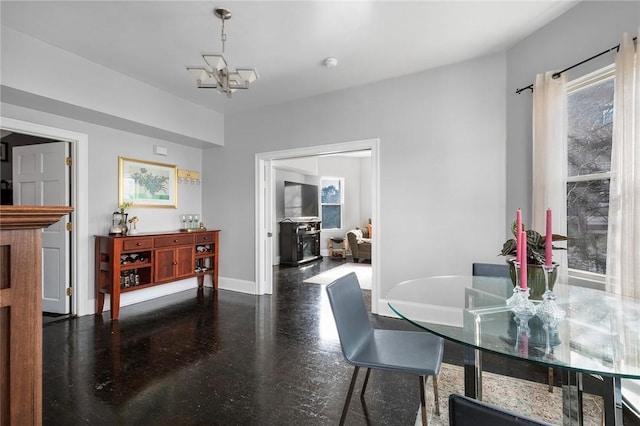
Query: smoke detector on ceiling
point(330, 62)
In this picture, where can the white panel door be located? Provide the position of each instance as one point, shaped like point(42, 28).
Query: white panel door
point(41, 178)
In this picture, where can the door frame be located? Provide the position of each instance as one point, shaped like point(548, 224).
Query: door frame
point(79, 150)
point(264, 201)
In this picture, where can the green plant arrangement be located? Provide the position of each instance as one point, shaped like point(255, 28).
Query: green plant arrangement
point(536, 244)
point(124, 206)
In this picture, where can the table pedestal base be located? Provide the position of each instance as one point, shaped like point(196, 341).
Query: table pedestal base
point(571, 391)
point(571, 398)
point(612, 395)
point(472, 373)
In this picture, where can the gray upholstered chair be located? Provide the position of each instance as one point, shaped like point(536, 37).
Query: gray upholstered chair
point(416, 352)
point(491, 270)
point(465, 411)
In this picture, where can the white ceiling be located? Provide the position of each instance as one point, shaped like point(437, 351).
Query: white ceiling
point(153, 41)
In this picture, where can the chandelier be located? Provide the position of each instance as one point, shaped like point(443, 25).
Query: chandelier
point(217, 74)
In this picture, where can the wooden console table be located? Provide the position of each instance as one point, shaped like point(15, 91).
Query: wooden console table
point(129, 263)
point(21, 311)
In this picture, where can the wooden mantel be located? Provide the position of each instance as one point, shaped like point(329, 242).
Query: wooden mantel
point(21, 217)
point(21, 311)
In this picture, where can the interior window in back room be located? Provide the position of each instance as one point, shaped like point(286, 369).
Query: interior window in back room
point(332, 200)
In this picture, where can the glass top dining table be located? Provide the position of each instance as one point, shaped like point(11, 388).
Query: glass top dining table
point(600, 333)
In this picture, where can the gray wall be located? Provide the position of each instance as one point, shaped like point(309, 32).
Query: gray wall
point(589, 28)
point(442, 166)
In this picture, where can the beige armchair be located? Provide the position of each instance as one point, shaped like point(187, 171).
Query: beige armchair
point(360, 244)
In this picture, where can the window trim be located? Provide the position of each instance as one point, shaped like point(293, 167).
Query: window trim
point(591, 79)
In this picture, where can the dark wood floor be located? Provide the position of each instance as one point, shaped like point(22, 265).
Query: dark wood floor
point(201, 358)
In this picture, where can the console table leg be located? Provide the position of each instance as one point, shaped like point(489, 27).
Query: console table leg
point(612, 395)
point(115, 303)
point(99, 302)
point(571, 398)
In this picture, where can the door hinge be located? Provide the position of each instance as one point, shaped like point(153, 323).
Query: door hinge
point(69, 226)
point(68, 161)
point(69, 291)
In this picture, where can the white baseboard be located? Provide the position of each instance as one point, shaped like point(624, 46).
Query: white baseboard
point(154, 292)
point(142, 295)
point(241, 286)
point(385, 310)
point(434, 314)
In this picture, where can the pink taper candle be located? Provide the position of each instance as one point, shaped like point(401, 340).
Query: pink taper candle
point(518, 229)
point(548, 241)
point(523, 265)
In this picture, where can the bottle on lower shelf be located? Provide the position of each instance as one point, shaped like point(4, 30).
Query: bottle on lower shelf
point(129, 278)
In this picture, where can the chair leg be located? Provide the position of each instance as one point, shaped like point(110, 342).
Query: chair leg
point(435, 394)
point(345, 409)
point(550, 379)
point(423, 404)
point(364, 385)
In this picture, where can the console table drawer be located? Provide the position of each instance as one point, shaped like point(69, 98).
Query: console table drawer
point(137, 244)
point(174, 240)
point(204, 238)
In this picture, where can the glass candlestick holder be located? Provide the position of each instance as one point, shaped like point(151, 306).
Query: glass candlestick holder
point(522, 335)
point(523, 307)
point(551, 335)
point(549, 311)
point(512, 301)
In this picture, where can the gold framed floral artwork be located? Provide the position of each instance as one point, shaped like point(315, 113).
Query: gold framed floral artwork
point(147, 183)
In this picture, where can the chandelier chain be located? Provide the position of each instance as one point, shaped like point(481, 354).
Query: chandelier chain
point(223, 36)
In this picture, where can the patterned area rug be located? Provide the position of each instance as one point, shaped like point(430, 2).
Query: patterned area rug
point(362, 270)
point(503, 391)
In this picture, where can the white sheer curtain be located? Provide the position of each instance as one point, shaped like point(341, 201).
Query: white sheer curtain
point(623, 246)
point(550, 157)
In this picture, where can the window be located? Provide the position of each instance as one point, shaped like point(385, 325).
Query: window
point(590, 126)
point(332, 199)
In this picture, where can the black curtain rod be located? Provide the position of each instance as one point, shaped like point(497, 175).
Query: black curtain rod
point(559, 73)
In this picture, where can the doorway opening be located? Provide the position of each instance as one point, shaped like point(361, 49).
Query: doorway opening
point(266, 225)
point(35, 172)
point(77, 257)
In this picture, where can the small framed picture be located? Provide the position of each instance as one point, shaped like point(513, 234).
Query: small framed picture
point(4, 152)
point(147, 184)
